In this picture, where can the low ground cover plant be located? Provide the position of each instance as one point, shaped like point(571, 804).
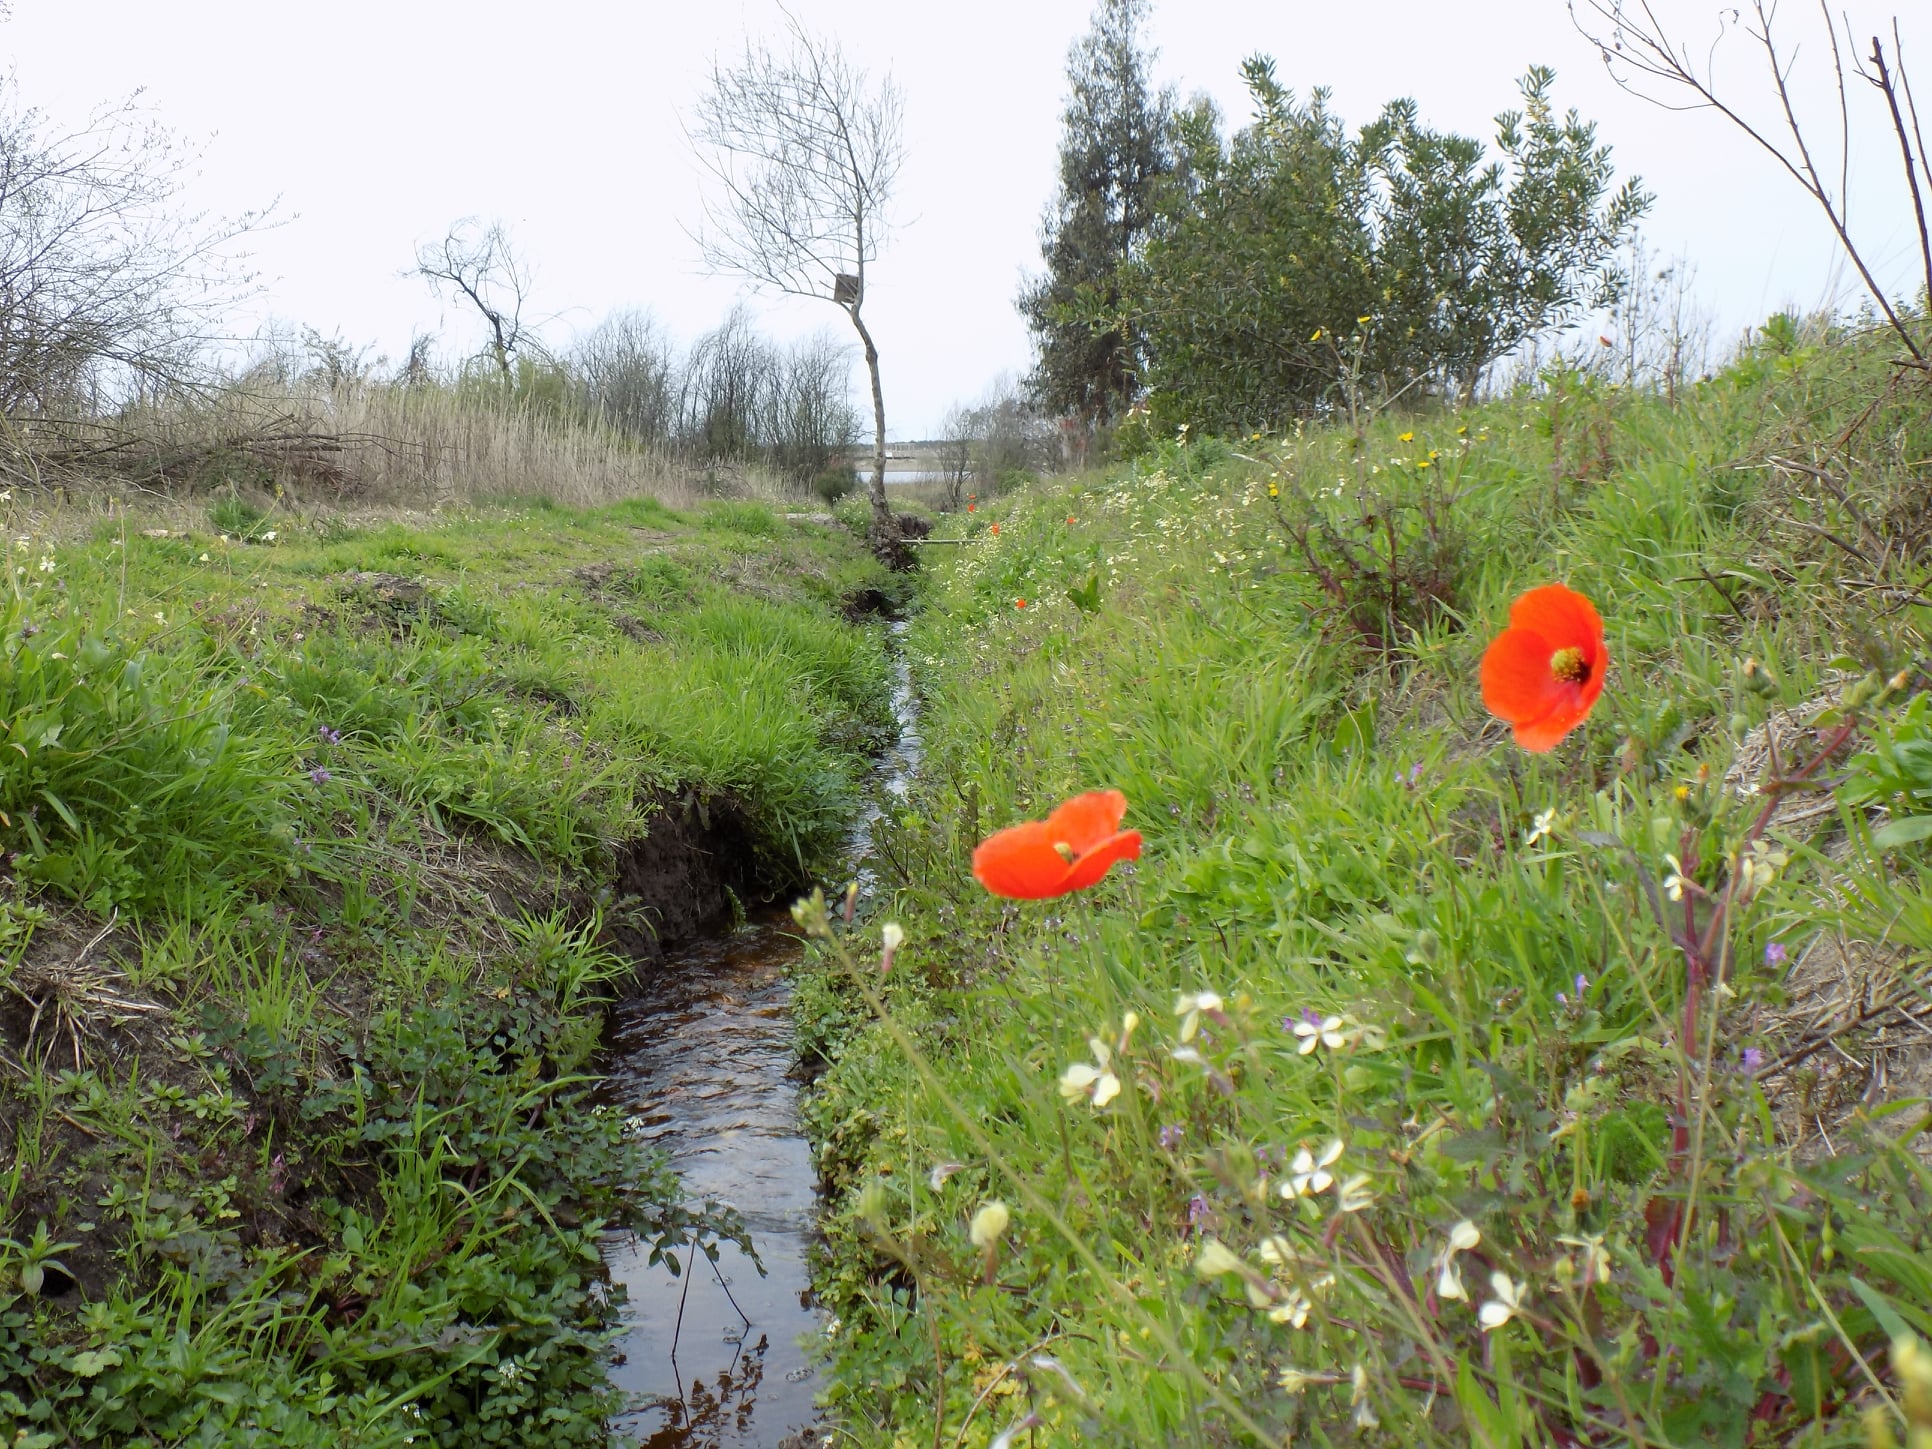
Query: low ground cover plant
point(1512, 1030)
point(315, 868)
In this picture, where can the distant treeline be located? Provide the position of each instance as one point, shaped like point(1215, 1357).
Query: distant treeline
point(732, 396)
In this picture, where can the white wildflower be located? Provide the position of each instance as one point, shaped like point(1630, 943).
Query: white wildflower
point(1674, 883)
point(1357, 1194)
point(1462, 1237)
point(1094, 1080)
point(1311, 1173)
point(1596, 1258)
point(1504, 1306)
point(1190, 1008)
point(1326, 1032)
point(1215, 1259)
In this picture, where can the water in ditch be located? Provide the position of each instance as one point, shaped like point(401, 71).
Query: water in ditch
point(702, 1058)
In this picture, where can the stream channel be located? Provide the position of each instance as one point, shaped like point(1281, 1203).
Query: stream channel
point(702, 1058)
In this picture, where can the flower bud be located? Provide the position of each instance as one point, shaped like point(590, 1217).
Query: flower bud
point(989, 1224)
point(1912, 1364)
point(1216, 1259)
point(1863, 692)
point(1757, 679)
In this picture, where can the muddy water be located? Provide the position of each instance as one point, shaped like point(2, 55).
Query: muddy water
point(703, 1059)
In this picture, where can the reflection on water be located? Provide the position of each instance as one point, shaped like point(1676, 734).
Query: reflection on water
point(703, 1058)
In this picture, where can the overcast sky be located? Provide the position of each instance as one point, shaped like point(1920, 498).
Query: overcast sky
point(377, 122)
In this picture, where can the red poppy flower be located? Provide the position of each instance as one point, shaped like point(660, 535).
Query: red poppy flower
point(1068, 851)
point(1544, 672)
point(1019, 603)
point(996, 530)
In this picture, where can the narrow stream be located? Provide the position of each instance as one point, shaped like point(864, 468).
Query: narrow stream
point(702, 1057)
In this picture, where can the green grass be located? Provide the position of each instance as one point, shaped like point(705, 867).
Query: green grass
point(304, 1117)
point(1338, 833)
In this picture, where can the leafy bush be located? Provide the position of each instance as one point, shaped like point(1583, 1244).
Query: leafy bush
point(1402, 248)
point(832, 484)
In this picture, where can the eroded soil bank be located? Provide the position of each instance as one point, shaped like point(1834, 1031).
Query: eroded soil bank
point(702, 1062)
point(314, 845)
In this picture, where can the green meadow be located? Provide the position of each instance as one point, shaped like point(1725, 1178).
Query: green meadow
point(324, 855)
point(1411, 1087)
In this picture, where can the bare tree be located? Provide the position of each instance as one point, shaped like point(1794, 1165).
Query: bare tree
point(804, 151)
point(807, 420)
point(479, 264)
point(958, 435)
point(1642, 56)
point(628, 371)
point(106, 288)
point(726, 377)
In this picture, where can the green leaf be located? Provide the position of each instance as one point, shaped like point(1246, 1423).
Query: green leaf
point(90, 1362)
point(1887, 1316)
point(1908, 831)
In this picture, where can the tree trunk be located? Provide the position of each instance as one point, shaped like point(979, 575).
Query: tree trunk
point(885, 529)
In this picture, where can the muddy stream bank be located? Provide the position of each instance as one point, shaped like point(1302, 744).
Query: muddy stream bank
point(701, 1056)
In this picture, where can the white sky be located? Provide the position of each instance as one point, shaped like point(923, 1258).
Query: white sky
point(377, 122)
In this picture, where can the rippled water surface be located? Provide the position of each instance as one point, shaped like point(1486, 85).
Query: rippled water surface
point(703, 1057)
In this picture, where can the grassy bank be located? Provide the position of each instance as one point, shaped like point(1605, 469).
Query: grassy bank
point(1464, 1095)
point(321, 839)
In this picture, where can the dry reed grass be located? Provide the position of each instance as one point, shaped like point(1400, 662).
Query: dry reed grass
point(362, 447)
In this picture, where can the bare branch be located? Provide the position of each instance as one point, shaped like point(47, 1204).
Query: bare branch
point(480, 265)
point(107, 292)
point(1637, 50)
point(804, 152)
point(1881, 77)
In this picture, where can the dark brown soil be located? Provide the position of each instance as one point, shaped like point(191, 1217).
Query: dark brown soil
point(697, 856)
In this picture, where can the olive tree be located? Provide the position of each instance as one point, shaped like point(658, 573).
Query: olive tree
point(803, 151)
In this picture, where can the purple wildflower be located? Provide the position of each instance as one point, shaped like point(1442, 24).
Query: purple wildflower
point(1582, 984)
point(1561, 999)
point(1197, 1209)
point(1753, 1061)
point(1774, 954)
point(1171, 1134)
point(321, 777)
point(1415, 772)
point(329, 736)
